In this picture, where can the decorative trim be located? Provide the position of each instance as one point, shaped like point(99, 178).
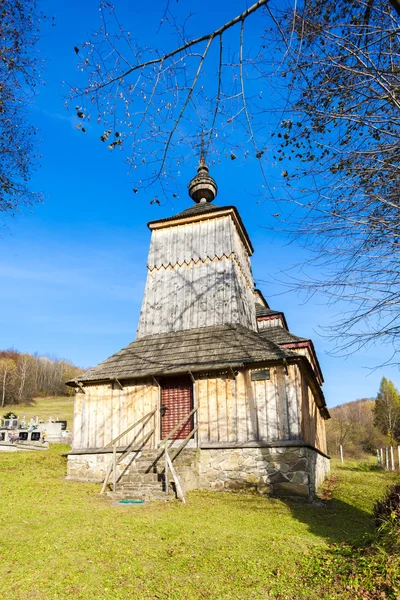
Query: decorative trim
point(277, 315)
point(192, 263)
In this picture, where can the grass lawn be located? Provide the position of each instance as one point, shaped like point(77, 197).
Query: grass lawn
point(61, 407)
point(60, 540)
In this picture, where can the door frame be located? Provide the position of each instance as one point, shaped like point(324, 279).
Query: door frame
point(159, 381)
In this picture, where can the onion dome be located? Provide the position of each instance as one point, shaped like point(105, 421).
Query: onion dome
point(202, 188)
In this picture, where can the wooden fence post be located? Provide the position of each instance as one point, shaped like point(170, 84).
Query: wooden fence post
point(392, 457)
point(341, 453)
point(387, 458)
point(378, 457)
point(114, 467)
point(166, 470)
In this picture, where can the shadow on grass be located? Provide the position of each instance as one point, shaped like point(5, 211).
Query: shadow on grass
point(344, 516)
point(334, 520)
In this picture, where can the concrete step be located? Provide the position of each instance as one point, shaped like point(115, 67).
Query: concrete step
point(141, 488)
point(133, 477)
point(140, 495)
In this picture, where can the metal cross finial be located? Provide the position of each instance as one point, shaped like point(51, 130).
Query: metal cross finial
point(202, 152)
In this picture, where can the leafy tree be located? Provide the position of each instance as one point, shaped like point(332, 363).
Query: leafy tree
point(19, 75)
point(387, 410)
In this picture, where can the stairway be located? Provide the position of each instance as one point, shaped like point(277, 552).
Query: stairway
point(143, 479)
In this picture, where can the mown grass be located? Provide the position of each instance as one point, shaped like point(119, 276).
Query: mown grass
point(61, 540)
point(61, 407)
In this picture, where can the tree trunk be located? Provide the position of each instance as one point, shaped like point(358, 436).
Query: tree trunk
point(4, 386)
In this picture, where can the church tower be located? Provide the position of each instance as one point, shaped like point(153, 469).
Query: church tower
point(215, 390)
point(198, 269)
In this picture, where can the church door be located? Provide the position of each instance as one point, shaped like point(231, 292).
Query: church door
point(176, 403)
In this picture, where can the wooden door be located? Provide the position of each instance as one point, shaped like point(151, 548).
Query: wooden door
point(176, 403)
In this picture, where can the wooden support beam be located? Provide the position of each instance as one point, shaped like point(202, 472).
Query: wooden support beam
point(121, 387)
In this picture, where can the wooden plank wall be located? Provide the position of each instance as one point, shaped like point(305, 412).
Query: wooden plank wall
point(105, 411)
point(312, 424)
point(230, 410)
point(266, 323)
point(199, 275)
point(240, 410)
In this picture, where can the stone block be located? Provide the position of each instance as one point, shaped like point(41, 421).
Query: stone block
point(230, 464)
point(299, 477)
point(291, 489)
point(300, 465)
point(277, 477)
point(251, 478)
point(234, 485)
point(211, 474)
point(264, 490)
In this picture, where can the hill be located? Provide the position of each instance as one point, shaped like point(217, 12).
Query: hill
point(58, 407)
point(352, 426)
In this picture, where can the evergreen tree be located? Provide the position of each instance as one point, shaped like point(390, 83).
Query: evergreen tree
point(387, 410)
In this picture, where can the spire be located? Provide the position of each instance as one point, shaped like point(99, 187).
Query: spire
point(202, 187)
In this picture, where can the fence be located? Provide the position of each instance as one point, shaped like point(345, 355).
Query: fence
point(386, 458)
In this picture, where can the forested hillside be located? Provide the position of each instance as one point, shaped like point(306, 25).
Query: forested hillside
point(24, 376)
point(365, 424)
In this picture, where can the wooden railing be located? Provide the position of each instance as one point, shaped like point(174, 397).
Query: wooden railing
point(170, 457)
point(130, 448)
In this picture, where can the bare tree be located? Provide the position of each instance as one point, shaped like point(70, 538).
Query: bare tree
point(24, 376)
point(7, 380)
point(156, 105)
point(19, 76)
point(315, 93)
point(343, 74)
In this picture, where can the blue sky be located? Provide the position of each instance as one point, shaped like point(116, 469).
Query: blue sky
point(73, 272)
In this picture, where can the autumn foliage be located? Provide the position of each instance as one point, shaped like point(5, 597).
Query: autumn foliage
point(24, 376)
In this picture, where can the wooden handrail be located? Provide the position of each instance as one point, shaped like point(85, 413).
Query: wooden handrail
point(169, 465)
point(186, 440)
point(114, 462)
point(169, 459)
point(115, 440)
point(175, 429)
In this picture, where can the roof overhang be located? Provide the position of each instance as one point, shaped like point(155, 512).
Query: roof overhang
point(310, 347)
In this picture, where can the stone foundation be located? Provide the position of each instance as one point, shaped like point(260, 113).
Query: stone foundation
point(283, 471)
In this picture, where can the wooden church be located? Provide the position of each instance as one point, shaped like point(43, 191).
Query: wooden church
point(215, 392)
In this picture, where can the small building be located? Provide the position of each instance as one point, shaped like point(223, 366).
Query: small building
point(215, 389)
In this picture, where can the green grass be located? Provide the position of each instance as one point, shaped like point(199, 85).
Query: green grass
point(61, 407)
point(60, 540)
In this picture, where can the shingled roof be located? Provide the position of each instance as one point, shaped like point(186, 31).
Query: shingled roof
point(279, 336)
point(263, 311)
point(207, 348)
